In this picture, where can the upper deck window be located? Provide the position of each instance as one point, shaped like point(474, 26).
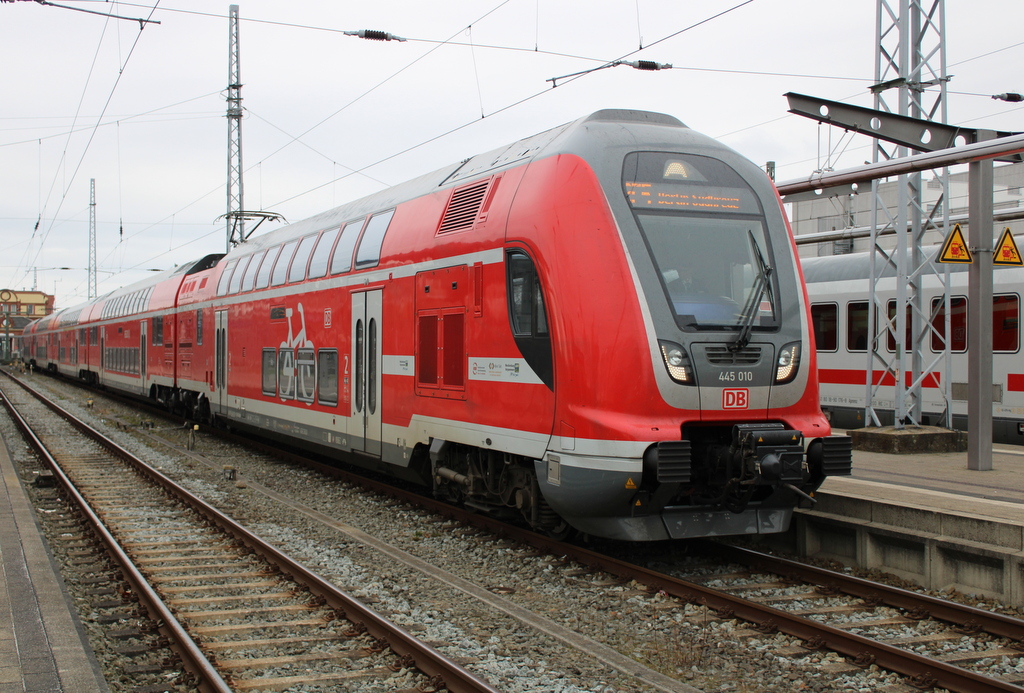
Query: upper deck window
point(225, 277)
point(298, 271)
point(368, 253)
point(283, 261)
point(250, 271)
point(342, 259)
point(322, 254)
point(263, 278)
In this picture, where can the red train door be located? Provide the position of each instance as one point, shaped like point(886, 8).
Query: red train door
point(143, 365)
point(221, 360)
point(367, 308)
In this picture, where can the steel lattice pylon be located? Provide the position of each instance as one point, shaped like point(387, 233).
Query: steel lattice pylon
point(235, 219)
point(910, 58)
point(92, 239)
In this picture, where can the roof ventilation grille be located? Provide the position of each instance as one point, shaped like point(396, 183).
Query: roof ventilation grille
point(463, 207)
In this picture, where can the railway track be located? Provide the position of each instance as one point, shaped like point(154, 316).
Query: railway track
point(240, 614)
point(756, 598)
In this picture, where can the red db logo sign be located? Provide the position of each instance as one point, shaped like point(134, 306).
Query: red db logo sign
point(735, 398)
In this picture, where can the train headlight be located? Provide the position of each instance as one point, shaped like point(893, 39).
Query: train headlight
point(788, 363)
point(677, 362)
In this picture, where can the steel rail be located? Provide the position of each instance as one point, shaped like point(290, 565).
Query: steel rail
point(921, 670)
point(962, 615)
point(425, 658)
point(194, 661)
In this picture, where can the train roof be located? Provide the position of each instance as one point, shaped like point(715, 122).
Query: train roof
point(546, 143)
point(834, 268)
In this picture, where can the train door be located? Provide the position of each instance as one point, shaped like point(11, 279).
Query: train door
point(142, 355)
point(220, 366)
point(367, 307)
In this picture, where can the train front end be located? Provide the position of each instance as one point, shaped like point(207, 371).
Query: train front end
point(702, 418)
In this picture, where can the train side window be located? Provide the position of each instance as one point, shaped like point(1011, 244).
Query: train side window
point(250, 272)
point(957, 324)
point(322, 254)
point(236, 277)
point(857, 326)
point(825, 317)
point(298, 270)
point(327, 376)
point(225, 277)
point(1005, 322)
point(283, 260)
point(305, 375)
point(342, 259)
point(270, 372)
point(528, 316)
point(286, 374)
point(368, 253)
point(263, 278)
point(157, 330)
point(890, 340)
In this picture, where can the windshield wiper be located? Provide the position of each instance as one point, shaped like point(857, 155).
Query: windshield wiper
point(761, 285)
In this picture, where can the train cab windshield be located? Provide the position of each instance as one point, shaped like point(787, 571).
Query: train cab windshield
point(705, 230)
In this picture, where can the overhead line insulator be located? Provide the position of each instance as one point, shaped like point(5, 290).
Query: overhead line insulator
point(374, 35)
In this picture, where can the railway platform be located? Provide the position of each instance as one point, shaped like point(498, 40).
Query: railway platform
point(926, 518)
point(42, 645)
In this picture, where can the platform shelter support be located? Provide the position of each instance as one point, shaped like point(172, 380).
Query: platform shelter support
point(979, 320)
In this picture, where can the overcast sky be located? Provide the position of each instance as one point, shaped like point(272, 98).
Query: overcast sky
point(330, 118)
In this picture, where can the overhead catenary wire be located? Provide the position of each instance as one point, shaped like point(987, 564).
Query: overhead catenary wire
point(91, 136)
point(471, 43)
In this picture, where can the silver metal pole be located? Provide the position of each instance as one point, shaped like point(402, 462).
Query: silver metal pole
point(979, 320)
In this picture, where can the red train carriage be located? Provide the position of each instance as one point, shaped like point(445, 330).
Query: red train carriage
point(600, 327)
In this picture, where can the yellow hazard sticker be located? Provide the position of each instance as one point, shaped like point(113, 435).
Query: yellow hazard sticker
point(1006, 251)
point(955, 248)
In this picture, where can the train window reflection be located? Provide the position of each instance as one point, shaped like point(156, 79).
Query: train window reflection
point(270, 372)
point(342, 259)
point(1005, 321)
point(281, 268)
point(709, 268)
point(825, 317)
point(857, 326)
point(908, 325)
point(957, 324)
point(298, 271)
point(327, 376)
point(263, 278)
point(368, 253)
point(322, 254)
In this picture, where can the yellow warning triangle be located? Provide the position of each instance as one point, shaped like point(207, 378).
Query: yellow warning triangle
point(630, 483)
point(1006, 251)
point(955, 248)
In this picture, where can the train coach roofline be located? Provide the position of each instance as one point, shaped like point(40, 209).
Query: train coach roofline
point(833, 268)
point(487, 163)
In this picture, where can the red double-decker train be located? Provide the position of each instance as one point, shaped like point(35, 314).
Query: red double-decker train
point(601, 327)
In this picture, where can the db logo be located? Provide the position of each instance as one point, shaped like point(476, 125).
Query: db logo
point(735, 398)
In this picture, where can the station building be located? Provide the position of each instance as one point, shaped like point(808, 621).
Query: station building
point(18, 309)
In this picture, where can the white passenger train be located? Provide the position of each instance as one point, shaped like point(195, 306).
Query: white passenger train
point(839, 291)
